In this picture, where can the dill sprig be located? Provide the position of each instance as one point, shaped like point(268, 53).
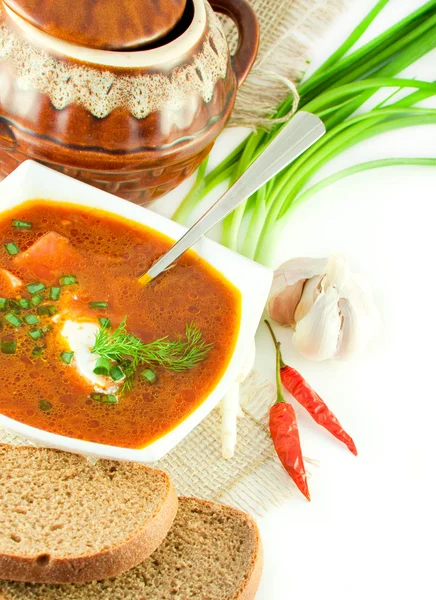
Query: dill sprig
point(123, 347)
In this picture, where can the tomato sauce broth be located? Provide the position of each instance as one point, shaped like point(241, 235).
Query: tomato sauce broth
point(108, 254)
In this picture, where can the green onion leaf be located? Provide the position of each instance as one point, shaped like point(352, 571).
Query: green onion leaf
point(45, 405)
point(38, 350)
point(98, 304)
point(104, 398)
point(19, 224)
point(102, 366)
point(46, 329)
point(116, 373)
point(37, 299)
point(31, 319)
point(13, 320)
point(24, 303)
point(15, 306)
point(46, 309)
point(11, 248)
point(67, 357)
point(68, 280)
point(3, 304)
point(35, 334)
point(55, 293)
point(104, 322)
point(8, 347)
point(35, 287)
point(149, 375)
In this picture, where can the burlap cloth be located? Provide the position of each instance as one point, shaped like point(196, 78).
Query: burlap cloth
point(253, 479)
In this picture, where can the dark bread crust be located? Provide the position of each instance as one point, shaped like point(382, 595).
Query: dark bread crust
point(101, 565)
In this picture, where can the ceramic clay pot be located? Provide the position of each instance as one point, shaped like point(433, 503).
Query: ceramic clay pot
point(127, 98)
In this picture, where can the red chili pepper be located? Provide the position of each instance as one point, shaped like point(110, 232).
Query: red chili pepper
point(284, 432)
point(307, 397)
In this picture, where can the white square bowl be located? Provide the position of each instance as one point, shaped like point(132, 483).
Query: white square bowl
point(31, 181)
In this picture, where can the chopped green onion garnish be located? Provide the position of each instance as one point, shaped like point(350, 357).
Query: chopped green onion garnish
point(9, 347)
point(67, 357)
point(149, 375)
point(67, 280)
point(45, 405)
point(104, 322)
point(98, 304)
point(116, 373)
point(18, 224)
point(3, 304)
point(47, 309)
point(14, 305)
point(35, 334)
point(35, 287)
point(13, 320)
point(37, 299)
point(11, 248)
point(38, 350)
point(46, 329)
point(31, 319)
point(24, 303)
point(55, 293)
point(102, 366)
point(105, 398)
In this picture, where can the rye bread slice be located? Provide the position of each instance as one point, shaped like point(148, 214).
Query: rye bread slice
point(63, 519)
point(212, 552)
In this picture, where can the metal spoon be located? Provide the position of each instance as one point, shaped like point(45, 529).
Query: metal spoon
point(300, 133)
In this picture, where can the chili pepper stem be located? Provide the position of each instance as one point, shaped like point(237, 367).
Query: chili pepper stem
point(279, 364)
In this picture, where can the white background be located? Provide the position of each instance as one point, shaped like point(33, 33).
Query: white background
point(369, 531)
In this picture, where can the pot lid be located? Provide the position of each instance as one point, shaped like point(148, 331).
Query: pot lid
point(103, 24)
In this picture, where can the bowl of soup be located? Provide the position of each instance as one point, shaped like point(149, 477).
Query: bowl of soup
point(93, 362)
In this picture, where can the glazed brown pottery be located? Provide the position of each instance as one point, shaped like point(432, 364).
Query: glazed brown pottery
point(130, 102)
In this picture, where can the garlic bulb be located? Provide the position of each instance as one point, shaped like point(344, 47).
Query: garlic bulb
point(328, 307)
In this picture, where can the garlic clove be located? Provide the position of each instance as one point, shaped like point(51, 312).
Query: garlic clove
point(361, 319)
point(287, 287)
point(311, 291)
point(338, 271)
point(316, 335)
point(282, 306)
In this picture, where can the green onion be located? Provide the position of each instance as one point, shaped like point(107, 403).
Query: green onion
point(104, 398)
point(35, 287)
point(98, 304)
point(35, 334)
point(37, 299)
point(8, 347)
point(67, 357)
point(24, 303)
point(3, 304)
point(46, 309)
point(149, 375)
point(31, 319)
point(45, 405)
point(11, 248)
point(46, 329)
point(38, 350)
point(116, 373)
point(13, 320)
point(68, 280)
point(18, 224)
point(341, 86)
point(15, 306)
point(102, 366)
point(55, 293)
point(104, 322)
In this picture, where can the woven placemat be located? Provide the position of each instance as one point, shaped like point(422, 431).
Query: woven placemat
point(253, 480)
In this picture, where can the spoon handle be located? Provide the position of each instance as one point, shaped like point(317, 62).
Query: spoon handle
point(300, 133)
